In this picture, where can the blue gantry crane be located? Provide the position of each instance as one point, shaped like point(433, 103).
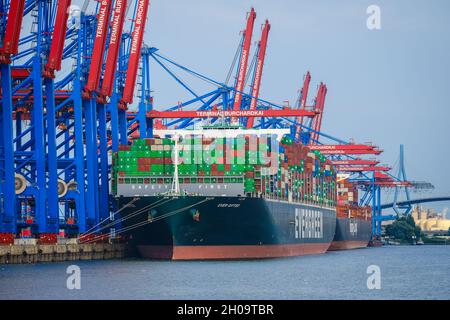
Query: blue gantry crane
point(60, 115)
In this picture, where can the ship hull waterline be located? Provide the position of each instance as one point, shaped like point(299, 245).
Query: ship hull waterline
point(222, 228)
point(351, 233)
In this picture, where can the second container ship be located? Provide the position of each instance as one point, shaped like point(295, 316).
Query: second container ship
point(353, 222)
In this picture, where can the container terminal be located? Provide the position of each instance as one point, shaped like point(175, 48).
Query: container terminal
point(91, 166)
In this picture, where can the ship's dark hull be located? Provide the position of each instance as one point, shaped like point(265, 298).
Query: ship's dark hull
point(198, 227)
point(351, 233)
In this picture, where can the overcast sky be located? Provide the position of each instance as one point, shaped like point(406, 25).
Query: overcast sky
point(387, 86)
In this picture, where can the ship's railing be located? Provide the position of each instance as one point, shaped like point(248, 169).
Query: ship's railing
point(277, 198)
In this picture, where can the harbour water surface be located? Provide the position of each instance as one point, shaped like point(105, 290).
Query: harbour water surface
point(407, 272)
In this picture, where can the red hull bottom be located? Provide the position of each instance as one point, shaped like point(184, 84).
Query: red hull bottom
point(347, 245)
point(231, 252)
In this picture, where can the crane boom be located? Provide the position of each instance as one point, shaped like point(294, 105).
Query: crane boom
point(244, 60)
point(98, 51)
point(12, 32)
point(135, 53)
point(362, 168)
point(59, 36)
point(356, 162)
point(341, 147)
point(259, 71)
point(350, 152)
point(317, 121)
point(302, 103)
point(113, 48)
point(231, 113)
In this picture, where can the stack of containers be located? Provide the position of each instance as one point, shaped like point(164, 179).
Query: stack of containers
point(347, 193)
point(300, 175)
point(145, 161)
point(354, 211)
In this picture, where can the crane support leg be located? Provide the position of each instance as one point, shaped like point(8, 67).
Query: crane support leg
point(123, 130)
point(80, 200)
point(53, 201)
point(91, 162)
point(39, 148)
point(114, 114)
point(8, 221)
point(104, 175)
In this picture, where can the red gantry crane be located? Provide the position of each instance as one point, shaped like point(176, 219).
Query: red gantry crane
point(259, 70)
point(244, 61)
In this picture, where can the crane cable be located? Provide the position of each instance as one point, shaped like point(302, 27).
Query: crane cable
point(131, 215)
point(233, 64)
point(251, 67)
point(142, 223)
point(110, 217)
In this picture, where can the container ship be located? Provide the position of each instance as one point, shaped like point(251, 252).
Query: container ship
point(353, 222)
point(223, 193)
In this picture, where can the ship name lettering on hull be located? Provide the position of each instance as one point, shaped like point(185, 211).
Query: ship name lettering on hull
point(308, 224)
point(228, 205)
point(353, 228)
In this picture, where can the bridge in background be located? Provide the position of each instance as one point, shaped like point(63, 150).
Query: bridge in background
point(415, 201)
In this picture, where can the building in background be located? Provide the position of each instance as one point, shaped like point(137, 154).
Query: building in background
point(430, 221)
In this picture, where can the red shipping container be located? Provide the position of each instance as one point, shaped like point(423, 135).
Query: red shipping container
point(124, 148)
point(249, 174)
